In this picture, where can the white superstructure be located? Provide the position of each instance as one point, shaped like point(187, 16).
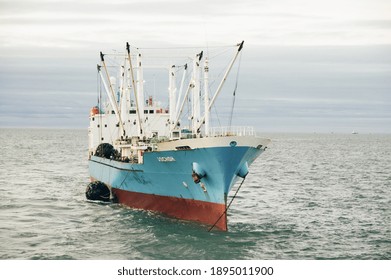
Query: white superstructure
point(132, 121)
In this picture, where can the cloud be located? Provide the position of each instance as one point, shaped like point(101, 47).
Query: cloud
point(303, 60)
point(83, 24)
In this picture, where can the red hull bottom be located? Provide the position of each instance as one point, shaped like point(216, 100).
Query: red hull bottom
point(185, 209)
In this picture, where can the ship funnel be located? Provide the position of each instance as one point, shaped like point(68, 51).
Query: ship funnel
point(243, 171)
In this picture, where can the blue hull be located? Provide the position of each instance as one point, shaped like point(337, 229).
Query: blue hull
point(173, 177)
point(165, 181)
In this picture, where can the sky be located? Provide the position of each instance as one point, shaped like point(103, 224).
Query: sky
point(307, 66)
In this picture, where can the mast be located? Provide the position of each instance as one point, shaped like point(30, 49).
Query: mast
point(172, 96)
point(218, 90)
point(111, 92)
point(112, 102)
point(123, 96)
point(140, 93)
point(206, 96)
point(196, 112)
point(140, 127)
point(190, 86)
point(181, 90)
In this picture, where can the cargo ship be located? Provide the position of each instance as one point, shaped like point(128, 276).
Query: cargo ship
point(166, 159)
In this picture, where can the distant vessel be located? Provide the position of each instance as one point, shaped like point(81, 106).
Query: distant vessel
point(354, 132)
point(146, 159)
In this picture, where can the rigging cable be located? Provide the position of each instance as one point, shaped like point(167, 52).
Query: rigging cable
point(210, 87)
point(234, 93)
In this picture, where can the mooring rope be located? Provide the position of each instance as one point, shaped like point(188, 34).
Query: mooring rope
point(226, 209)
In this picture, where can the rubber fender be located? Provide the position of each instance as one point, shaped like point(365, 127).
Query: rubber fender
point(98, 191)
point(106, 150)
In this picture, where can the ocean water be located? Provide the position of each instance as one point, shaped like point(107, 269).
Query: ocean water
point(309, 196)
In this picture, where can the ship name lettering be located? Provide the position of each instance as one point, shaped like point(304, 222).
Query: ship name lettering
point(165, 159)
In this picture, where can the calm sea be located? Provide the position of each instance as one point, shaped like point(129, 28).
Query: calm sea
point(309, 196)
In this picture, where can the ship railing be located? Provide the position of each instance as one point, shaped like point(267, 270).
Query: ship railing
point(232, 131)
